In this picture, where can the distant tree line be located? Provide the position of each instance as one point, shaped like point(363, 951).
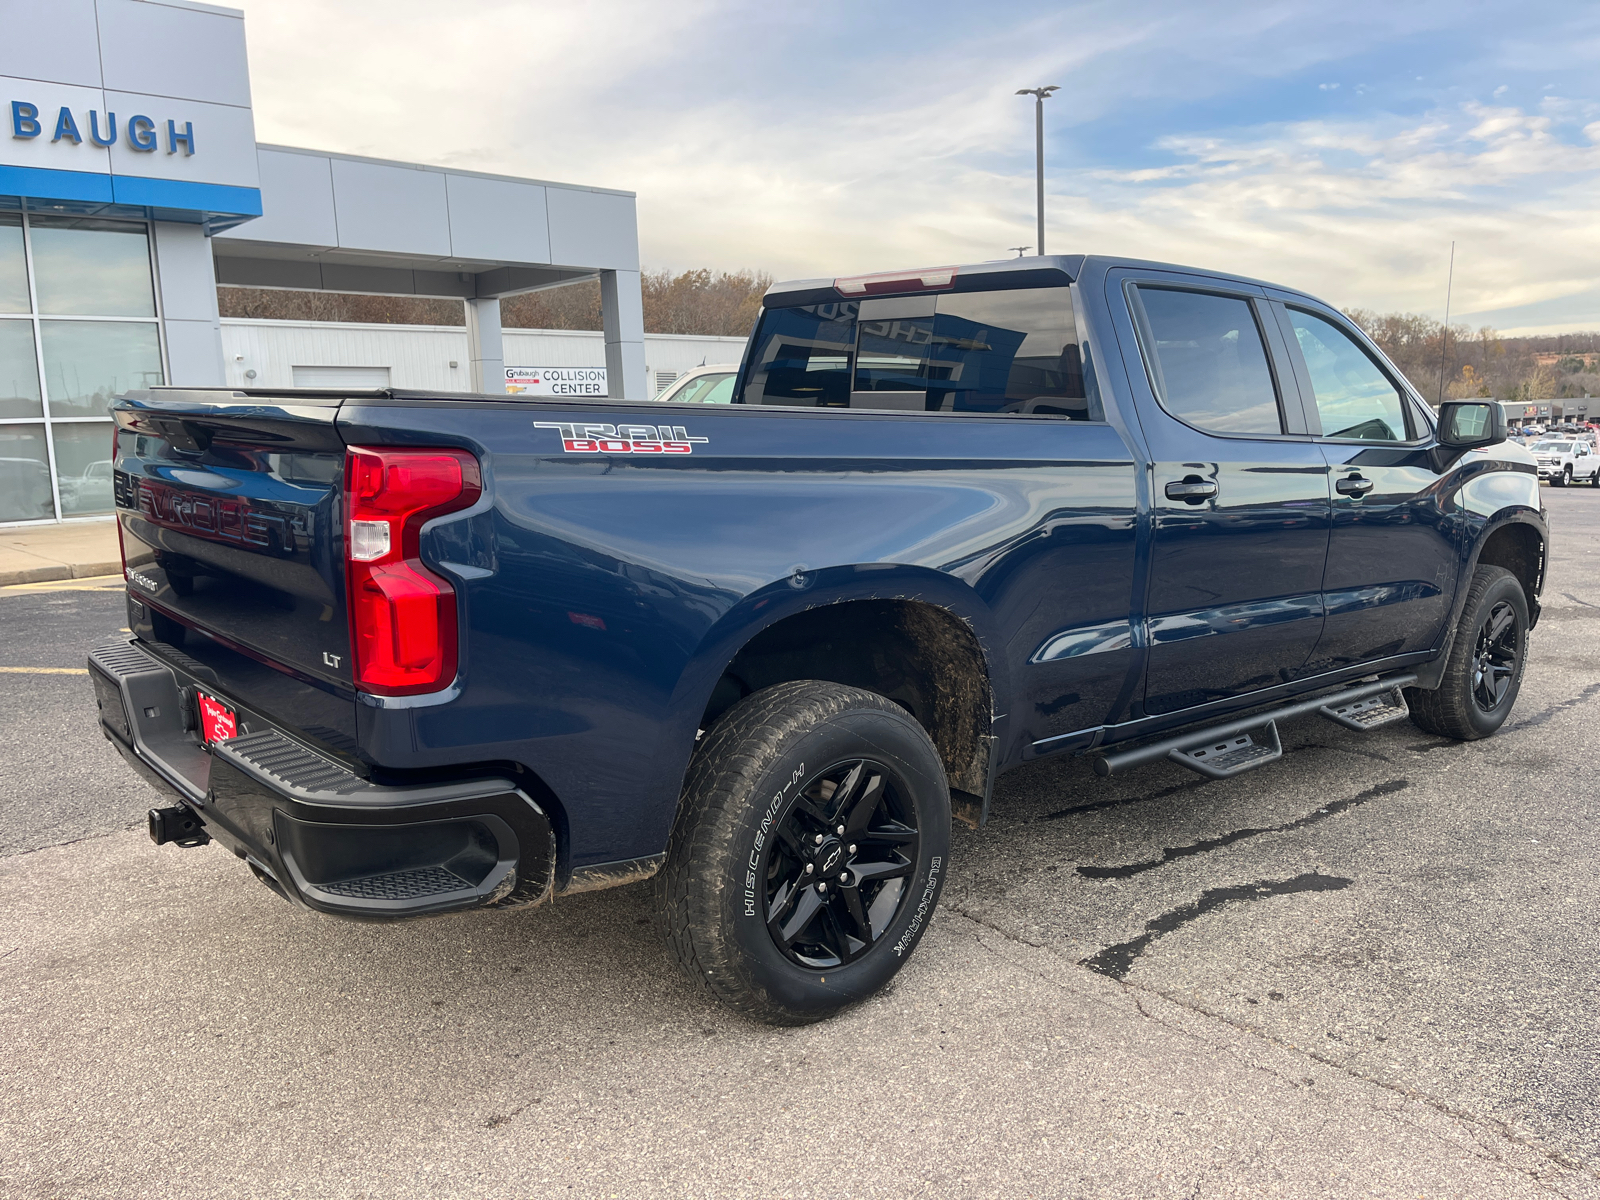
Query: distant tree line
point(1476, 362)
point(1482, 362)
point(704, 302)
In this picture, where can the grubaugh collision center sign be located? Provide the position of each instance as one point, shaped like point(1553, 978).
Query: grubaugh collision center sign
point(557, 381)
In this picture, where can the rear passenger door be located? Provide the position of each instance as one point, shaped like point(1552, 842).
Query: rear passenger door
point(1239, 499)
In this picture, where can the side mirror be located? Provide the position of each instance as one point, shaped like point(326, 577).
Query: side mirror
point(1467, 424)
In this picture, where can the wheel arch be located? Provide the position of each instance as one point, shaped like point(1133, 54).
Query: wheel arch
point(1519, 545)
point(1516, 539)
point(924, 645)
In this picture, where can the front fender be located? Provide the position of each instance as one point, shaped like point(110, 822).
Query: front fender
point(1492, 495)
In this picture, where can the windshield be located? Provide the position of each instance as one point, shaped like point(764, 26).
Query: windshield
point(1552, 447)
point(701, 389)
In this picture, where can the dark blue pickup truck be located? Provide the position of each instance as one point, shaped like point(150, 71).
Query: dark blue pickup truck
point(410, 653)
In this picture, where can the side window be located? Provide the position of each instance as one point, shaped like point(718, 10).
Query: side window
point(1207, 363)
point(801, 356)
point(1355, 399)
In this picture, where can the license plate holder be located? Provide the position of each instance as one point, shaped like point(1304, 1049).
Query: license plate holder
point(218, 722)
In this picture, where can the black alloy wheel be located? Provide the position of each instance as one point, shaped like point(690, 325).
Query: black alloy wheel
point(1496, 656)
point(838, 872)
point(811, 845)
point(1484, 663)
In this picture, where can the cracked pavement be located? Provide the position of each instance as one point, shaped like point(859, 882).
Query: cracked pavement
point(1367, 969)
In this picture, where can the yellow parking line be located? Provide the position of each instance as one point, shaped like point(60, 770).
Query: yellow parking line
point(44, 670)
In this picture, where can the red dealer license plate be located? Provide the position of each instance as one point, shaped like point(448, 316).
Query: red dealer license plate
point(217, 723)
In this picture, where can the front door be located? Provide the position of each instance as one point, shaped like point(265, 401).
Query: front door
point(1392, 559)
point(1239, 492)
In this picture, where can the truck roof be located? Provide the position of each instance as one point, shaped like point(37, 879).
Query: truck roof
point(1051, 270)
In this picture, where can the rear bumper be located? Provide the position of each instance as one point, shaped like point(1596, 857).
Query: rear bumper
point(315, 831)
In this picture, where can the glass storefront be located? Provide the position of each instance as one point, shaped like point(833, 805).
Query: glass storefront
point(78, 325)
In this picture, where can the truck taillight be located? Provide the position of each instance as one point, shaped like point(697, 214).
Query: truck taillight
point(402, 615)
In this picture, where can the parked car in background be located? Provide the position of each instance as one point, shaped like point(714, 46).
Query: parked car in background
point(1563, 461)
point(703, 385)
point(25, 488)
point(90, 491)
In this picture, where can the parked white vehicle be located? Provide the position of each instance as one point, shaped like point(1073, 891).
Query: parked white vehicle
point(1566, 461)
point(703, 385)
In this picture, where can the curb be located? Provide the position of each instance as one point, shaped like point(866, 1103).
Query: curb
point(53, 571)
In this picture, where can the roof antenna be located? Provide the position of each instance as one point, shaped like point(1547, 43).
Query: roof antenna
point(1444, 339)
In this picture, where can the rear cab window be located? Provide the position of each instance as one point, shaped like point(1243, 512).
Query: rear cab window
point(1011, 351)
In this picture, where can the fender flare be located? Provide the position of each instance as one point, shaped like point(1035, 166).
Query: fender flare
point(766, 606)
point(1430, 673)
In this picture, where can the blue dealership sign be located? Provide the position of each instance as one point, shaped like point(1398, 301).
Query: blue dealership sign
point(141, 130)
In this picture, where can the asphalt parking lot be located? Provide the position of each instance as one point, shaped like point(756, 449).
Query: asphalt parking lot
point(1368, 969)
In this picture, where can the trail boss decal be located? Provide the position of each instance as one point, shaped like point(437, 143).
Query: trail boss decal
point(623, 439)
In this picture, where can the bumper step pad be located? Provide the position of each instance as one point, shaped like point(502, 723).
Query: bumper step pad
point(399, 885)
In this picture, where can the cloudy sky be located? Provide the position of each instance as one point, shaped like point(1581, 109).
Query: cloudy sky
point(1335, 147)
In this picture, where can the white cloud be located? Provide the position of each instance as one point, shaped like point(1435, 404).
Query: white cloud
point(1364, 218)
point(838, 139)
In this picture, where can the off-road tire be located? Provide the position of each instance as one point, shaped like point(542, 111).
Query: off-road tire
point(1452, 710)
point(1562, 479)
point(742, 784)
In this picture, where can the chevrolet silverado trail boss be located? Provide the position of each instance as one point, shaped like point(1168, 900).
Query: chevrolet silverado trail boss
point(408, 652)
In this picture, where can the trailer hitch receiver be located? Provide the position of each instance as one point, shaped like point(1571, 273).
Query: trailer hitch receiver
point(177, 825)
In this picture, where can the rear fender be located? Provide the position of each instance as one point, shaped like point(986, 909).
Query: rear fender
point(804, 591)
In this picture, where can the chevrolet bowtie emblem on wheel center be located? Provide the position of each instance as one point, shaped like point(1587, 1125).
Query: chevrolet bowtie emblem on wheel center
point(830, 858)
point(622, 439)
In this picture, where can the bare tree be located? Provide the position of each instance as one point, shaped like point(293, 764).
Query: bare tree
point(709, 303)
point(272, 304)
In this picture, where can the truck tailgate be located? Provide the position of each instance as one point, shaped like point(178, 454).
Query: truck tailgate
point(230, 515)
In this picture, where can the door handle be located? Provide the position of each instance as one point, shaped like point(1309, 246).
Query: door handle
point(1192, 490)
point(1354, 486)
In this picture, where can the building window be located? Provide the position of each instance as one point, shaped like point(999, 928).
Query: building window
point(78, 325)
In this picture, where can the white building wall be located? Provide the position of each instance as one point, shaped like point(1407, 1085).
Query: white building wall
point(419, 356)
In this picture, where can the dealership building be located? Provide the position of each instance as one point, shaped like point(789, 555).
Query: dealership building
point(132, 186)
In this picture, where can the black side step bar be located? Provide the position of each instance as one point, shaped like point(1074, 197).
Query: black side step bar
point(1221, 751)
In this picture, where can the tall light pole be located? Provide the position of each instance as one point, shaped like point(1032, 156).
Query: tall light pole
point(1040, 95)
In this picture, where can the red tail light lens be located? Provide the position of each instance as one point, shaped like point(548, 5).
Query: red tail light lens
point(402, 615)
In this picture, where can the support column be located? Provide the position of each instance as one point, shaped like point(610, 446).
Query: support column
point(485, 354)
point(188, 282)
point(622, 310)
